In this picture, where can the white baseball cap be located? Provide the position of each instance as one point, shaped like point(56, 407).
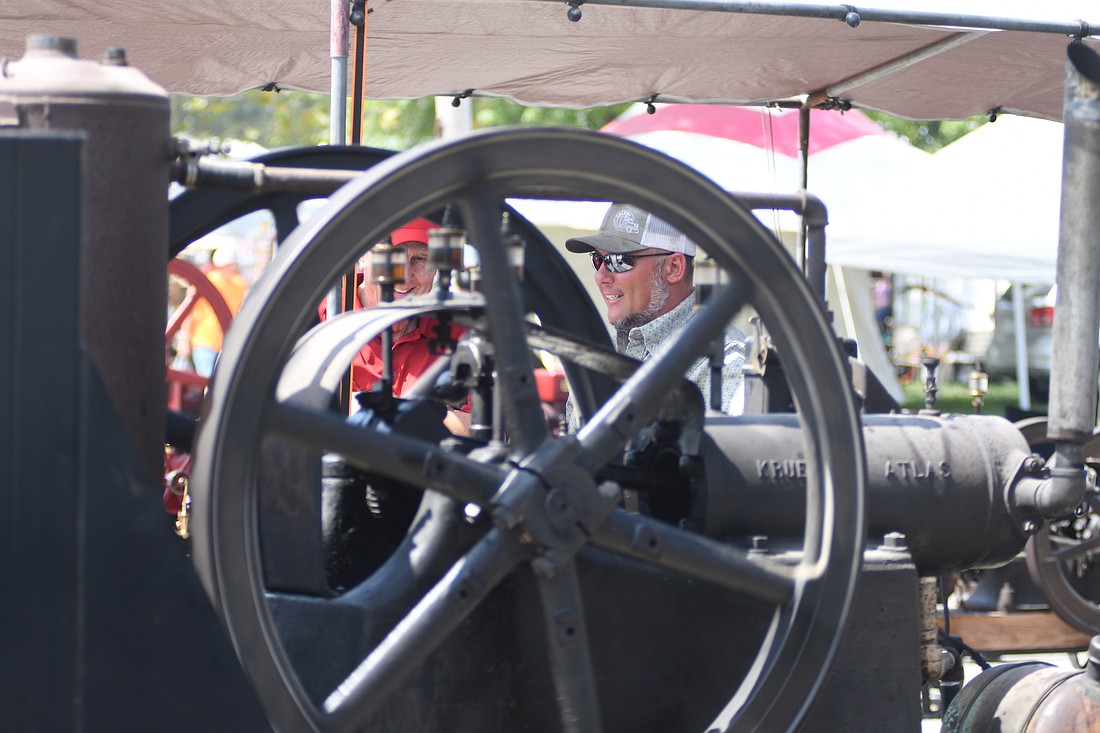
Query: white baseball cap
point(627, 228)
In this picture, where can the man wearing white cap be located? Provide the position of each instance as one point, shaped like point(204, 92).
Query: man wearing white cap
point(644, 271)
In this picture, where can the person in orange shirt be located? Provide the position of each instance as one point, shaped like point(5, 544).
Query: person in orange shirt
point(201, 335)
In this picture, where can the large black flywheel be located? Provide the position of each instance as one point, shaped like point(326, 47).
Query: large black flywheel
point(524, 596)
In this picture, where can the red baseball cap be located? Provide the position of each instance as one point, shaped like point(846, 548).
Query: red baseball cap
point(413, 231)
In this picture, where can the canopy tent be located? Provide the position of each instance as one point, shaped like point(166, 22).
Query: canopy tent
point(984, 207)
point(529, 51)
point(987, 206)
point(854, 165)
point(901, 62)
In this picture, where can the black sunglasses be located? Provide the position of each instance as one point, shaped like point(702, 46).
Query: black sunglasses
point(619, 264)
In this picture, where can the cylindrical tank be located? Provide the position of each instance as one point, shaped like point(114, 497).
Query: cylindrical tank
point(942, 481)
point(125, 121)
point(1030, 697)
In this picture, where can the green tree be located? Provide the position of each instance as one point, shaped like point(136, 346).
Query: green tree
point(928, 135)
point(279, 119)
point(270, 119)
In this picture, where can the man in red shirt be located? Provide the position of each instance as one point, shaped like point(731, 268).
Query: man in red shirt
point(412, 353)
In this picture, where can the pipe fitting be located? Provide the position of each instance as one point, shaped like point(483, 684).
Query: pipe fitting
point(1060, 490)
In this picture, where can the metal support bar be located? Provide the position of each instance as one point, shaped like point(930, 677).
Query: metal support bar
point(256, 177)
point(841, 88)
point(854, 16)
point(1022, 371)
point(338, 84)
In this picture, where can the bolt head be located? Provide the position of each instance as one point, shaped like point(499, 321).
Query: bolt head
point(894, 540)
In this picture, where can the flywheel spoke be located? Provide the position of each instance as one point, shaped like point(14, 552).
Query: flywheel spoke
point(505, 312)
point(1073, 551)
point(423, 630)
point(570, 661)
point(640, 398)
point(389, 455)
point(180, 314)
point(693, 555)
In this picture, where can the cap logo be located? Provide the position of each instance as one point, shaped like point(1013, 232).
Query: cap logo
point(625, 222)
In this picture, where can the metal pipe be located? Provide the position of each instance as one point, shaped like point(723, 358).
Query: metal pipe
point(337, 103)
point(804, 163)
point(815, 217)
point(338, 84)
point(853, 16)
point(1021, 346)
point(1077, 311)
point(237, 175)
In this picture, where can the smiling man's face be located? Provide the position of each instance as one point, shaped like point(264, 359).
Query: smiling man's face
point(418, 273)
point(634, 297)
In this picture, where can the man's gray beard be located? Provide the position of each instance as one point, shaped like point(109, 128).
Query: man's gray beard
point(657, 299)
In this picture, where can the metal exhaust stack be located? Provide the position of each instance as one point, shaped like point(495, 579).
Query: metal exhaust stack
point(1073, 387)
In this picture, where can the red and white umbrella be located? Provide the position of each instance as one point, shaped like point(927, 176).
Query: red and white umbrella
point(753, 149)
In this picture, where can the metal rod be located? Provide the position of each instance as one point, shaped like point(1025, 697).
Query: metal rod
point(240, 175)
point(1020, 328)
point(338, 84)
point(337, 104)
point(804, 160)
point(900, 64)
point(852, 15)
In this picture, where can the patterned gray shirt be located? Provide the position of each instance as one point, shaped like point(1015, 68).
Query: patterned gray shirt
point(644, 340)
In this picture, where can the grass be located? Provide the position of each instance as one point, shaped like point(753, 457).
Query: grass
point(955, 397)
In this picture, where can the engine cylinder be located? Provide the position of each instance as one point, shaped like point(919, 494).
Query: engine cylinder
point(124, 118)
point(943, 481)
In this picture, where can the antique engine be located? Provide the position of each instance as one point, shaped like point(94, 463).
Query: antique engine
point(662, 569)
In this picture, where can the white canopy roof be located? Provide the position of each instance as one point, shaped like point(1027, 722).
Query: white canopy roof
point(986, 206)
point(527, 50)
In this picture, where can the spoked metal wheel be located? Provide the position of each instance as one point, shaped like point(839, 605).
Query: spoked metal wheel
point(199, 287)
point(1062, 556)
point(551, 521)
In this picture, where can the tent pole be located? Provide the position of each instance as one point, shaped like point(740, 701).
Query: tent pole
point(338, 98)
point(804, 159)
point(338, 88)
point(1023, 378)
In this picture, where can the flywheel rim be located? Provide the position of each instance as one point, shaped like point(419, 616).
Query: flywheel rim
point(480, 169)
